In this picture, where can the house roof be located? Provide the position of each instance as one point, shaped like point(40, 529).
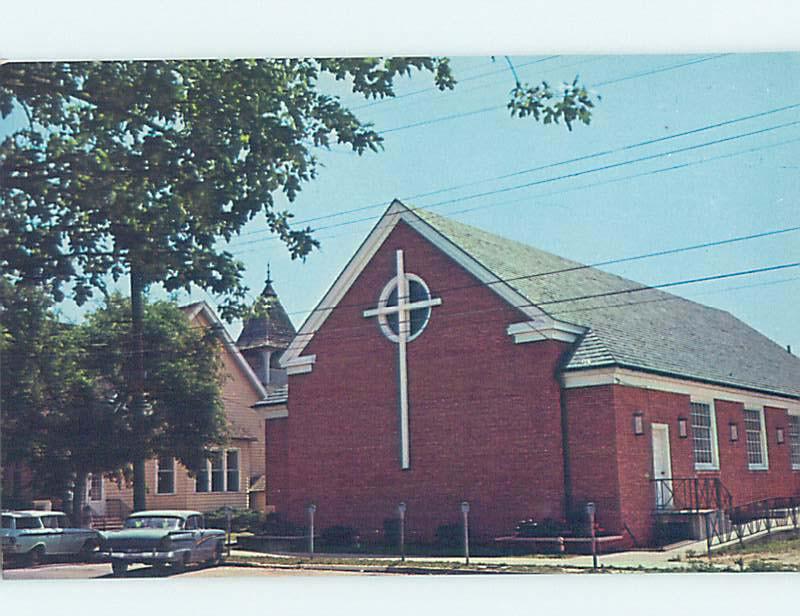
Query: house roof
point(192, 310)
point(647, 329)
point(274, 329)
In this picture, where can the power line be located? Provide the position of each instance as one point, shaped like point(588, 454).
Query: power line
point(498, 107)
point(562, 177)
point(619, 292)
point(525, 171)
point(390, 99)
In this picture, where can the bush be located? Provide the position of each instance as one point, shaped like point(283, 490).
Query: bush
point(340, 536)
point(450, 535)
point(241, 520)
point(275, 524)
point(391, 531)
point(548, 527)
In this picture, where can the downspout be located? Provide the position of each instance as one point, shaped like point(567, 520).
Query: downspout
point(565, 447)
point(565, 451)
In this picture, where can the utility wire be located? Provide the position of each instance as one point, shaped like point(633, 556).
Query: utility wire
point(557, 178)
point(525, 171)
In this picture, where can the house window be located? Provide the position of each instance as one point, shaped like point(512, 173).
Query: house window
point(165, 475)
point(220, 472)
point(217, 472)
point(756, 439)
point(794, 440)
point(201, 482)
point(704, 436)
point(232, 470)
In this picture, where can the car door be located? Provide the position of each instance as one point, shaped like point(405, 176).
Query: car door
point(72, 539)
point(193, 527)
point(52, 534)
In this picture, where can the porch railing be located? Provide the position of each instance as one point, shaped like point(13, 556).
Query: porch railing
point(691, 494)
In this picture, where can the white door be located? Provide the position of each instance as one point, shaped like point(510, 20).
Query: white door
point(96, 496)
point(662, 466)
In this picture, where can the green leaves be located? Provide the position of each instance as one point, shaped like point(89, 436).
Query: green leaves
point(569, 102)
point(154, 162)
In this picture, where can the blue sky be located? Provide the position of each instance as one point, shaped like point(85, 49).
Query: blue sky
point(738, 187)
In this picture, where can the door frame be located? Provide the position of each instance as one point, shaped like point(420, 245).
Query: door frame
point(663, 492)
point(98, 506)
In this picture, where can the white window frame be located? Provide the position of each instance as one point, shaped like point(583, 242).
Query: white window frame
point(238, 470)
point(714, 465)
point(174, 478)
point(764, 466)
point(795, 466)
point(224, 490)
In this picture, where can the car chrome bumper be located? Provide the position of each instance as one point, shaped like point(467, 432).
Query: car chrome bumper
point(146, 557)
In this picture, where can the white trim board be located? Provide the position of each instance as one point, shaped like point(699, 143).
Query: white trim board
point(201, 306)
point(396, 212)
point(696, 390)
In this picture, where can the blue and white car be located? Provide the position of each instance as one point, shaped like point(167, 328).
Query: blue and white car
point(36, 535)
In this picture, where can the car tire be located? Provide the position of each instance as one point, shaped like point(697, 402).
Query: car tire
point(219, 554)
point(88, 550)
point(179, 566)
point(36, 556)
point(119, 567)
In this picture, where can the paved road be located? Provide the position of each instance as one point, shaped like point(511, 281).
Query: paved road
point(80, 571)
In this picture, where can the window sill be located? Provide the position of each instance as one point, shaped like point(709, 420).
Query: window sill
point(706, 468)
point(757, 468)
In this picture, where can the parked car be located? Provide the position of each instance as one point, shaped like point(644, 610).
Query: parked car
point(36, 535)
point(161, 538)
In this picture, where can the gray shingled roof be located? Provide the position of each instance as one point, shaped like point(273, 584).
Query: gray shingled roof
point(649, 330)
point(275, 330)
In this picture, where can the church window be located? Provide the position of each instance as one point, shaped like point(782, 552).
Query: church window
point(794, 440)
point(756, 439)
point(704, 436)
point(417, 317)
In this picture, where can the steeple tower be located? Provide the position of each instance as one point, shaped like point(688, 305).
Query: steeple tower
point(265, 337)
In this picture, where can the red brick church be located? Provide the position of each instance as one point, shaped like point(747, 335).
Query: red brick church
point(447, 364)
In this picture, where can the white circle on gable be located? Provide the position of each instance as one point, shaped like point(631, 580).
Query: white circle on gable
point(417, 326)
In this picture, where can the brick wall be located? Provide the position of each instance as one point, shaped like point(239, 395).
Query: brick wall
point(634, 456)
point(484, 412)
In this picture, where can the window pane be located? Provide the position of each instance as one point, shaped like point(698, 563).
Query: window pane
point(702, 434)
point(794, 439)
point(233, 470)
point(752, 426)
point(217, 472)
point(7, 521)
point(166, 476)
point(28, 523)
point(201, 484)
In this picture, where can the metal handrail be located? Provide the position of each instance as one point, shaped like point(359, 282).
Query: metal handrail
point(691, 494)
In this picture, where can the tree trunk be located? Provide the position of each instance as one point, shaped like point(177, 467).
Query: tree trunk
point(78, 498)
point(137, 378)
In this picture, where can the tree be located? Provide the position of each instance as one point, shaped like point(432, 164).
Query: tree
point(141, 168)
point(56, 416)
point(67, 405)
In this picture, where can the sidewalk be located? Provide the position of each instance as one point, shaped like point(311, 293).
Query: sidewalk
point(670, 559)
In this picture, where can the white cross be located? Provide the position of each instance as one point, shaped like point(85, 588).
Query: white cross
point(403, 311)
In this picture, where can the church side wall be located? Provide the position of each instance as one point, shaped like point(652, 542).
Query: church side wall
point(484, 412)
point(635, 457)
point(592, 450)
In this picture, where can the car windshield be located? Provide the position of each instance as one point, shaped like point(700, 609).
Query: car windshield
point(7, 521)
point(167, 523)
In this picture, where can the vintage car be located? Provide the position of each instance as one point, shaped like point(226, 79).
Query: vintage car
point(162, 538)
point(36, 535)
